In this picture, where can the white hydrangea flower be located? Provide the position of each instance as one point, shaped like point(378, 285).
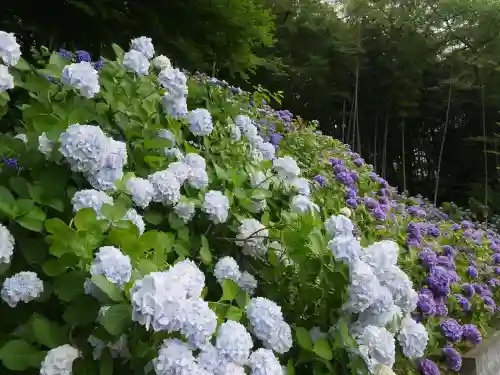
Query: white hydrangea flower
point(6, 79)
point(208, 359)
point(83, 77)
point(45, 145)
point(230, 368)
point(413, 338)
point(382, 311)
point(216, 206)
point(175, 358)
point(174, 81)
point(267, 150)
point(167, 189)
point(383, 370)
point(185, 210)
point(59, 361)
point(235, 133)
point(401, 288)
point(302, 204)
point(252, 234)
point(256, 141)
point(89, 198)
point(142, 191)
point(136, 219)
point(376, 346)
point(112, 264)
point(24, 286)
point(233, 342)
point(363, 288)
point(135, 61)
point(6, 245)
point(247, 282)
point(22, 137)
point(381, 255)
point(105, 179)
point(227, 268)
point(162, 62)
point(175, 106)
point(174, 152)
point(10, 50)
point(338, 226)
point(200, 323)
point(345, 248)
point(143, 45)
point(246, 126)
point(268, 325)
point(264, 362)
point(168, 135)
point(85, 147)
point(259, 205)
point(187, 275)
point(286, 167)
point(180, 170)
point(198, 178)
point(195, 161)
point(302, 186)
point(200, 122)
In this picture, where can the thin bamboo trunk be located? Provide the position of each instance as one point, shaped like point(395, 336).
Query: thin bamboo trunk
point(438, 172)
point(403, 151)
point(343, 122)
point(483, 120)
point(384, 151)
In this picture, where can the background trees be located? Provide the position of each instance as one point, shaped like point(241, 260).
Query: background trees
point(393, 78)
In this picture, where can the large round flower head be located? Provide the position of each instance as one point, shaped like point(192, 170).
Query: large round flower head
point(180, 170)
point(162, 62)
point(252, 234)
point(175, 106)
point(376, 346)
point(227, 268)
point(89, 198)
point(451, 329)
point(200, 323)
point(381, 255)
point(45, 145)
point(453, 359)
point(401, 288)
point(428, 367)
point(24, 287)
point(175, 358)
point(338, 226)
point(198, 178)
point(264, 362)
point(472, 334)
point(301, 185)
point(233, 342)
point(363, 289)
point(142, 191)
point(136, 219)
point(216, 206)
point(286, 167)
point(166, 187)
point(209, 358)
point(230, 368)
point(135, 61)
point(6, 79)
point(59, 361)
point(195, 161)
point(85, 147)
point(246, 126)
point(174, 81)
point(83, 77)
point(302, 205)
point(200, 122)
point(268, 325)
point(235, 132)
point(6, 245)
point(105, 179)
point(247, 282)
point(345, 248)
point(267, 149)
point(112, 264)
point(413, 338)
point(187, 276)
point(143, 45)
point(10, 50)
point(185, 210)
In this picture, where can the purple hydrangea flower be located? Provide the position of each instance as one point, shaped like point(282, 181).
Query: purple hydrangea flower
point(453, 359)
point(371, 203)
point(439, 281)
point(379, 214)
point(350, 193)
point(428, 367)
point(98, 64)
point(472, 334)
point(426, 304)
point(382, 192)
point(428, 258)
point(65, 53)
point(345, 178)
point(433, 231)
point(336, 161)
point(493, 282)
point(320, 179)
point(467, 224)
point(463, 302)
point(83, 56)
point(352, 202)
point(455, 227)
point(440, 309)
point(354, 176)
point(472, 272)
point(359, 162)
point(275, 139)
point(339, 168)
point(449, 251)
point(445, 262)
point(451, 329)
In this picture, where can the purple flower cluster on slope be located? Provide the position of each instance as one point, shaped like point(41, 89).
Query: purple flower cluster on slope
point(81, 56)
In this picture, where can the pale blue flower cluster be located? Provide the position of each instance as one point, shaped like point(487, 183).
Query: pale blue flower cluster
point(10, 50)
point(6, 245)
point(141, 190)
point(59, 361)
point(268, 324)
point(227, 268)
point(45, 145)
point(185, 210)
point(143, 45)
point(24, 287)
point(83, 77)
point(135, 61)
point(216, 206)
point(200, 122)
point(112, 264)
point(89, 198)
point(252, 236)
point(6, 79)
point(264, 362)
point(175, 99)
point(412, 338)
point(233, 342)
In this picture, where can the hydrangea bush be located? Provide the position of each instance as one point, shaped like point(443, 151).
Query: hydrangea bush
point(157, 222)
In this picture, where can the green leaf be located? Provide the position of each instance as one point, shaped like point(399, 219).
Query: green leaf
point(118, 51)
point(116, 319)
point(303, 338)
point(153, 217)
point(33, 220)
point(290, 369)
point(221, 173)
point(53, 267)
point(69, 286)
point(205, 254)
point(18, 355)
point(85, 219)
point(110, 289)
point(33, 250)
point(229, 290)
point(19, 185)
point(59, 228)
point(234, 313)
point(106, 363)
point(83, 366)
point(82, 311)
point(48, 333)
point(7, 202)
point(323, 350)
point(22, 65)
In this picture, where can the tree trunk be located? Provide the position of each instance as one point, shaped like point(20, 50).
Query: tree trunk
point(436, 188)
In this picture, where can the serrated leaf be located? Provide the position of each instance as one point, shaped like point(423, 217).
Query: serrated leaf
point(234, 313)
